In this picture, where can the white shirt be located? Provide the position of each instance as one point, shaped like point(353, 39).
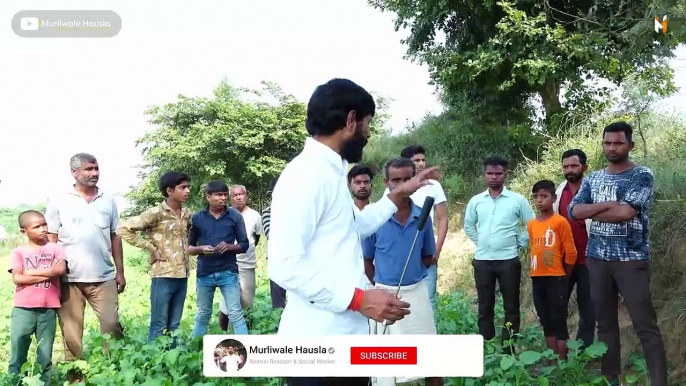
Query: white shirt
point(232, 361)
point(314, 244)
point(253, 226)
point(433, 189)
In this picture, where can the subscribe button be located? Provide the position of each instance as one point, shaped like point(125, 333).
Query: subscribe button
point(383, 355)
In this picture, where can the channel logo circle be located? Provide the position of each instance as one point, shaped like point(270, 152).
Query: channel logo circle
point(230, 355)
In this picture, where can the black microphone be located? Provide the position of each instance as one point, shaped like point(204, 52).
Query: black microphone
point(426, 209)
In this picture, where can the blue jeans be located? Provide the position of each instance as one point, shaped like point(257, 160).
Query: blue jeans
point(431, 281)
point(167, 297)
point(227, 282)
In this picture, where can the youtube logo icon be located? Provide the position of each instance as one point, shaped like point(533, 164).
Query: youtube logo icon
point(29, 23)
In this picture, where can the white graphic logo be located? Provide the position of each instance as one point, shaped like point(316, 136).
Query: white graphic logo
point(29, 23)
point(549, 238)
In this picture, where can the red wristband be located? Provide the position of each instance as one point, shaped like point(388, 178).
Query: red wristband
point(357, 300)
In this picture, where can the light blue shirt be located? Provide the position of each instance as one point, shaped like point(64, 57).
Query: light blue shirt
point(497, 226)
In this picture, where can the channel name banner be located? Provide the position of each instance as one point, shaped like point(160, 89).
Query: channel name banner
point(399, 356)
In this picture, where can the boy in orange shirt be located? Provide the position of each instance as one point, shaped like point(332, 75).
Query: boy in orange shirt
point(553, 255)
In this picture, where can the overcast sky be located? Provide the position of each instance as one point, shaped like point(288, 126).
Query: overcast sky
point(64, 96)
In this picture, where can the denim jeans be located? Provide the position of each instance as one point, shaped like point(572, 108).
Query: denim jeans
point(431, 281)
point(167, 297)
point(227, 282)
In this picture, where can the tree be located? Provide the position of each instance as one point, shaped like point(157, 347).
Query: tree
point(229, 137)
point(242, 136)
point(498, 55)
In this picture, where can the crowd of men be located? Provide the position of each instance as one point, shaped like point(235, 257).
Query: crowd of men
point(326, 250)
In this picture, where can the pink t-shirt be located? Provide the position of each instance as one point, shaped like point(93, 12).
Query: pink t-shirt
point(39, 295)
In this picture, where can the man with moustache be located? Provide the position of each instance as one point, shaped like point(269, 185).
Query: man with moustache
point(617, 200)
point(573, 166)
point(314, 247)
point(84, 220)
point(360, 181)
point(496, 220)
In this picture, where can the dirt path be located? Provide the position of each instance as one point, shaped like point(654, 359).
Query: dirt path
point(454, 263)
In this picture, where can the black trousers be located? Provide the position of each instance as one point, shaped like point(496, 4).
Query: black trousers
point(581, 278)
point(632, 280)
point(328, 381)
point(550, 300)
point(508, 275)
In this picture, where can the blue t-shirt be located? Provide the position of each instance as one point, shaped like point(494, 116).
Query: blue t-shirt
point(622, 241)
point(391, 243)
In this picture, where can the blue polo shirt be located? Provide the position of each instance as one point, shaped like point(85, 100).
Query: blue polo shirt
point(208, 230)
point(391, 243)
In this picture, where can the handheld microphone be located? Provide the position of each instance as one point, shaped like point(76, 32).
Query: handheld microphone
point(426, 209)
point(421, 222)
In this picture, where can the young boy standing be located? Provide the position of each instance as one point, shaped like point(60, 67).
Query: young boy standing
point(35, 267)
point(553, 255)
point(163, 231)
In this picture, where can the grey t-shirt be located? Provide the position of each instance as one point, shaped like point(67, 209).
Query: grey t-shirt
point(84, 230)
point(253, 226)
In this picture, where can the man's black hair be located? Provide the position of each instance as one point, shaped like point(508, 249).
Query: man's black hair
point(171, 179)
point(545, 185)
point(397, 163)
point(620, 127)
point(575, 152)
point(216, 186)
point(412, 150)
point(328, 108)
point(496, 161)
point(359, 170)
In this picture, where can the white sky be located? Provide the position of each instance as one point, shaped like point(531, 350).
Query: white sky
point(63, 96)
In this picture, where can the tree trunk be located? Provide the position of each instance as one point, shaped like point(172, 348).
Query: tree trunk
point(550, 95)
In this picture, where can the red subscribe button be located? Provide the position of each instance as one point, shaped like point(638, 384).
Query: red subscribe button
point(383, 355)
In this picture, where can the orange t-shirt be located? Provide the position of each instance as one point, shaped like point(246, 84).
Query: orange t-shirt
point(550, 246)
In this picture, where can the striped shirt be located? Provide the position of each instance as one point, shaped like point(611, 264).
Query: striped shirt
point(266, 220)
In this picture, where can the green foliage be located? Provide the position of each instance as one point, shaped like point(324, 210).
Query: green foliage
point(132, 361)
point(659, 145)
point(498, 54)
point(241, 136)
point(9, 216)
point(229, 137)
point(531, 363)
point(457, 144)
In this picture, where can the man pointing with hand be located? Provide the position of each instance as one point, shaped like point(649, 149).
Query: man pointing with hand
point(314, 246)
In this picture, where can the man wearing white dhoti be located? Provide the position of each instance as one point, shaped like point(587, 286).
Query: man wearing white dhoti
point(385, 253)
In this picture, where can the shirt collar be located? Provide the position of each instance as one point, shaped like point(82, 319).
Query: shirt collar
point(168, 208)
point(505, 192)
point(73, 192)
point(315, 147)
point(207, 211)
